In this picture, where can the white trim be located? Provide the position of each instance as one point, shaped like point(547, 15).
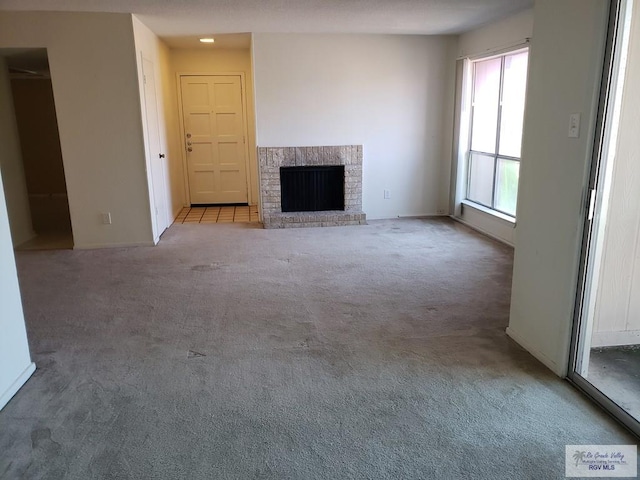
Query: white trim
point(185, 172)
point(482, 231)
point(553, 366)
point(245, 133)
point(17, 385)
point(140, 100)
point(498, 51)
point(419, 216)
point(91, 246)
point(153, 207)
point(461, 132)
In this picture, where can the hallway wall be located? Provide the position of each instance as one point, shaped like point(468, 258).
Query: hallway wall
point(11, 166)
point(393, 94)
point(95, 86)
point(564, 77)
point(41, 154)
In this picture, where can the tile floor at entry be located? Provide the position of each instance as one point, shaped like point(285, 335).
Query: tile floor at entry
point(231, 214)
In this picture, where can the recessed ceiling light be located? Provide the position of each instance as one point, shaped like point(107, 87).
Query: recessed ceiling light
point(207, 40)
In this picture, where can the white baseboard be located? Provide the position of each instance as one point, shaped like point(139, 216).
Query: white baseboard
point(553, 366)
point(92, 246)
point(15, 386)
point(482, 231)
point(424, 215)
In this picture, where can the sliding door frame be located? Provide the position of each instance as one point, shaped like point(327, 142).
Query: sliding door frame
point(593, 199)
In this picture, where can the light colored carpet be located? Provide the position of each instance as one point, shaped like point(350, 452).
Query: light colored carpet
point(232, 352)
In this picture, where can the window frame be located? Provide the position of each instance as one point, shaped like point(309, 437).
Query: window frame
point(496, 156)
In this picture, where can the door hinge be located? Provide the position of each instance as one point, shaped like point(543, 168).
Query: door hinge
point(592, 204)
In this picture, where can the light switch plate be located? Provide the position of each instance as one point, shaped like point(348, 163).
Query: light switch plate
point(574, 125)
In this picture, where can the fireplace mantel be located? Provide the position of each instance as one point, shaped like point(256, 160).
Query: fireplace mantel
point(270, 160)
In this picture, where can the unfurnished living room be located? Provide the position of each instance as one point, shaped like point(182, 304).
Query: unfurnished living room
point(319, 240)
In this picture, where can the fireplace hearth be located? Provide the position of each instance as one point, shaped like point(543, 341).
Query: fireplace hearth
point(278, 166)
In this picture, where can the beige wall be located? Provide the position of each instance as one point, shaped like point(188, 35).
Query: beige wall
point(393, 94)
point(95, 86)
point(11, 166)
point(39, 141)
point(617, 309)
point(501, 34)
point(41, 154)
point(212, 61)
point(564, 78)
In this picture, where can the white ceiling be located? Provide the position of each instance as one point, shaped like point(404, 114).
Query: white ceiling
point(176, 21)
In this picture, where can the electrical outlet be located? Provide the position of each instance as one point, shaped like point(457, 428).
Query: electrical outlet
point(106, 218)
point(441, 211)
point(387, 194)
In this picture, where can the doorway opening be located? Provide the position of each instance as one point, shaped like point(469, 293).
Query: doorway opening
point(34, 177)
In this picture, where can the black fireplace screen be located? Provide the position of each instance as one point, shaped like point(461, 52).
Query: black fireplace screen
point(312, 189)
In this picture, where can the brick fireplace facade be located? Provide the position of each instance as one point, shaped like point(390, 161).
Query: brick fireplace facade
point(270, 159)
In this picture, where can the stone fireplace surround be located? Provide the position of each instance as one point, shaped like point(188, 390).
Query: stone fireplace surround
point(270, 159)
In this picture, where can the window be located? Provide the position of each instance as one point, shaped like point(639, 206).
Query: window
point(498, 94)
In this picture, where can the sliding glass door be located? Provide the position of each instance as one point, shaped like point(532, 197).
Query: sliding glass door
point(606, 344)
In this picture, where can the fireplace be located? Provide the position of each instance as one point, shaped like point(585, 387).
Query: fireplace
point(312, 189)
point(341, 166)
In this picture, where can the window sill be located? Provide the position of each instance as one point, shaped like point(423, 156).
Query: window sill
point(490, 211)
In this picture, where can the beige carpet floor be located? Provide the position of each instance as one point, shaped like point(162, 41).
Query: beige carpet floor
point(233, 352)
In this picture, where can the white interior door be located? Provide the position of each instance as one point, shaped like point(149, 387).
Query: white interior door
point(155, 160)
point(214, 138)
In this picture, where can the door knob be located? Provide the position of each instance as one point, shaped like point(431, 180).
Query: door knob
point(189, 149)
point(188, 135)
point(161, 155)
